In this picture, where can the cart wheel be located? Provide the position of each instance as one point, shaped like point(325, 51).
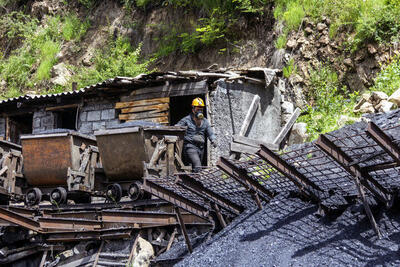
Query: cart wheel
point(58, 196)
point(114, 193)
point(33, 196)
point(135, 191)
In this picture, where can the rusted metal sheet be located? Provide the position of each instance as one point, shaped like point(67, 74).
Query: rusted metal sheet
point(117, 233)
point(150, 218)
point(20, 220)
point(175, 198)
point(124, 150)
point(47, 157)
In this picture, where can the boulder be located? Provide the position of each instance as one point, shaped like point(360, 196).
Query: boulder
point(60, 74)
point(308, 30)
point(395, 97)
point(287, 107)
point(384, 106)
point(324, 40)
point(364, 98)
point(377, 97)
point(298, 135)
point(292, 43)
point(367, 108)
point(321, 26)
point(143, 253)
point(39, 9)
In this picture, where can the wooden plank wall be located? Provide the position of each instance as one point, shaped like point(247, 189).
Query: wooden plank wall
point(155, 110)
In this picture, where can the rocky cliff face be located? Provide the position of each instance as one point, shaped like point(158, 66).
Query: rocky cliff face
point(252, 43)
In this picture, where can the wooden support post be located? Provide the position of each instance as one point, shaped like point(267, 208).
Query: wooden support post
point(250, 114)
point(285, 130)
point(183, 229)
point(366, 207)
point(219, 215)
point(133, 249)
point(96, 260)
point(43, 261)
point(171, 239)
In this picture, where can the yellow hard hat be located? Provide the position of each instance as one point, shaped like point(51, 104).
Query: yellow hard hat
point(198, 102)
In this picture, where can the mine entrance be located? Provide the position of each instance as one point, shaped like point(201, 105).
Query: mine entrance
point(181, 106)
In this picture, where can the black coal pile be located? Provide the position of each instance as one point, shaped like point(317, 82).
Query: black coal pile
point(289, 231)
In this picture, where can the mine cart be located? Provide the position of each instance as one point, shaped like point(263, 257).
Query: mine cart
point(129, 154)
point(11, 178)
point(59, 166)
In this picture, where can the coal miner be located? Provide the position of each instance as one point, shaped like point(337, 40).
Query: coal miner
point(198, 129)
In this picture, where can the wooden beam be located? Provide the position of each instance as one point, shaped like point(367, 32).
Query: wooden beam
point(143, 116)
point(61, 107)
point(96, 260)
point(183, 229)
point(285, 130)
point(253, 142)
point(157, 120)
point(243, 148)
point(139, 103)
point(133, 249)
point(250, 114)
point(157, 107)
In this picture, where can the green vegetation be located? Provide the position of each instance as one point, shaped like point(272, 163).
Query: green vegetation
point(73, 28)
point(328, 101)
point(119, 58)
point(367, 20)
point(290, 69)
point(388, 80)
point(217, 26)
point(30, 64)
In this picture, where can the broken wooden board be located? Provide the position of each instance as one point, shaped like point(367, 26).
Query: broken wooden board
point(158, 107)
point(139, 103)
point(252, 142)
point(155, 110)
point(157, 120)
point(142, 116)
point(285, 130)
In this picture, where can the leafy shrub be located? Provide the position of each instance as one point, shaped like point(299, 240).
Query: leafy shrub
point(73, 28)
point(388, 79)
point(48, 52)
point(118, 59)
point(280, 43)
point(328, 101)
point(289, 69)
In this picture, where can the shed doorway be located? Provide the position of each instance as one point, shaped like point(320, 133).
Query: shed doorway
point(181, 106)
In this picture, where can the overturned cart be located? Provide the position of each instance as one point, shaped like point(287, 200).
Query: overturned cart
point(59, 166)
point(129, 154)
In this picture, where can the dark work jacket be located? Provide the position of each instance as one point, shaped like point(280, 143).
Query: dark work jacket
point(194, 134)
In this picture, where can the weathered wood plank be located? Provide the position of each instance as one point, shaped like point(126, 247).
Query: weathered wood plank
point(142, 116)
point(250, 114)
point(61, 107)
point(241, 148)
point(158, 107)
point(157, 120)
point(285, 130)
point(253, 142)
point(139, 103)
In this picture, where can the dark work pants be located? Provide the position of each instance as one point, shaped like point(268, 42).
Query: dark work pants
point(194, 156)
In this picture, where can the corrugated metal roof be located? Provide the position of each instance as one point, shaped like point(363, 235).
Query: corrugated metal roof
point(147, 80)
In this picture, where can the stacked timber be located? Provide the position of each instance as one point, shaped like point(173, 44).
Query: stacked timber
point(154, 110)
